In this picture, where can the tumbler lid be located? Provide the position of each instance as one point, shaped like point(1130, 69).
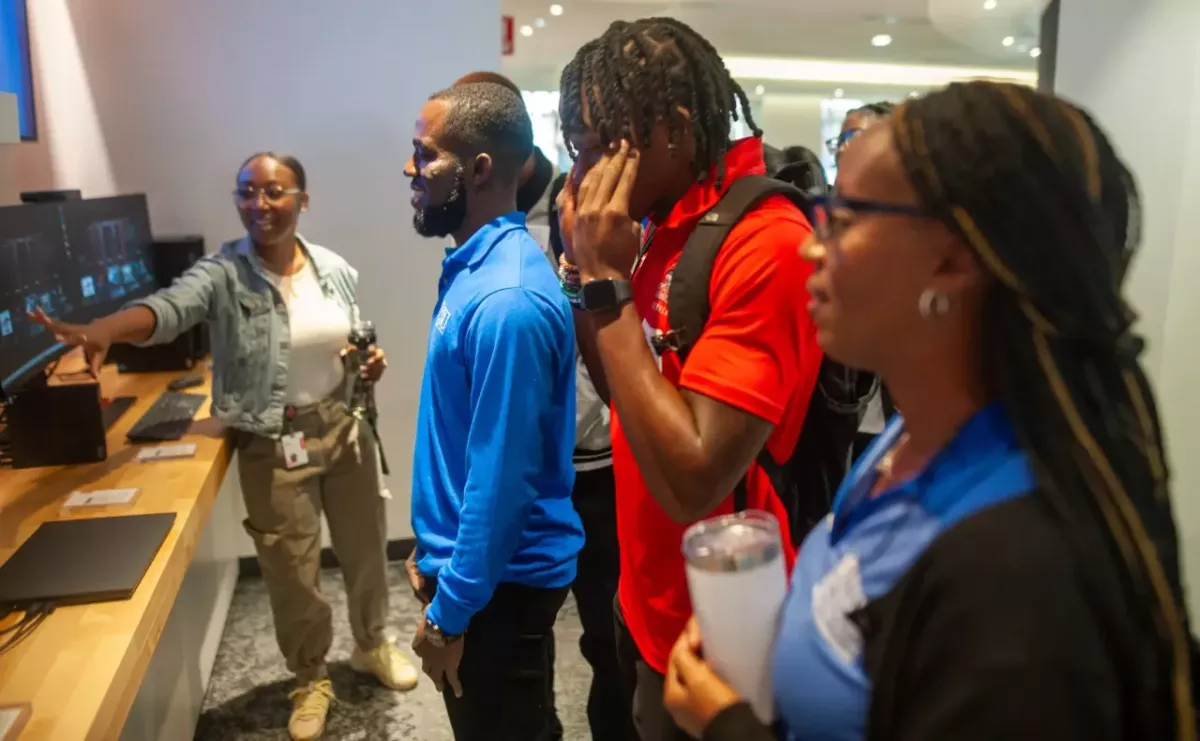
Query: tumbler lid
point(737, 542)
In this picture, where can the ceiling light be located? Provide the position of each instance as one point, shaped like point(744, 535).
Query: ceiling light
point(759, 90)
point(526, 30)
point(881, 40)
point(989, 5)
point(539, 22)
point(1035, 52)
point(555, 9)
point(1008, 41)
point(841, 73)
point(839, 93)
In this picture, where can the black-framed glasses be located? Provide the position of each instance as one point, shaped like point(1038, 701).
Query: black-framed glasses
point(824, 208)
point(273, 193)
point(836, 144)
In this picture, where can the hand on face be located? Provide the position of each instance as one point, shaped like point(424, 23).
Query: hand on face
point(693, 693)
point(605, 239)
point(565, 206)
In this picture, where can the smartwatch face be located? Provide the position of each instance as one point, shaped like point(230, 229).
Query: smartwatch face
point(599, 294)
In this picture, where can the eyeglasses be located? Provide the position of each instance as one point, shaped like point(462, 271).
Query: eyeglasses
point(273, 194)
point(826, 225)
point(836, 145)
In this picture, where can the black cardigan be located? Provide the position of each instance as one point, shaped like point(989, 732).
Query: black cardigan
point(992, 636)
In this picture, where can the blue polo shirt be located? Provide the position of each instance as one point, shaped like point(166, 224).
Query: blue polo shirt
point(862, 550)
point(492, 472)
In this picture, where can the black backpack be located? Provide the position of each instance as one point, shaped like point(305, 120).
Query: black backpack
point(808, 480)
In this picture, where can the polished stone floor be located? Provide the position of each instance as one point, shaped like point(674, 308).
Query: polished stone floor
point(247, 695)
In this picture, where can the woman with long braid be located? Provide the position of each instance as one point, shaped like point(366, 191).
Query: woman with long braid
point(1002, 563)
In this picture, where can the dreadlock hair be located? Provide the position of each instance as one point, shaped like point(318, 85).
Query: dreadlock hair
point(1035, 189)
point(638, 74)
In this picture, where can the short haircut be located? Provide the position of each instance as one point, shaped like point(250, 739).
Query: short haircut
point(484, 76)
point(287, 161)
point(483, 117)
point(881, 109)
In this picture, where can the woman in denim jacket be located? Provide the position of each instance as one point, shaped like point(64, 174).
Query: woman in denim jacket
point(279, 310)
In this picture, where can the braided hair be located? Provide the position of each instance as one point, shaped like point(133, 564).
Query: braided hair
point(1033, 187)
point(638, 74)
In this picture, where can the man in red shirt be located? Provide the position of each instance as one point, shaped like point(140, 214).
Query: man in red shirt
point(647, 110)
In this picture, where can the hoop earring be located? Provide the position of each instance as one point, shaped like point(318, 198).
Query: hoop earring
point(933, 304)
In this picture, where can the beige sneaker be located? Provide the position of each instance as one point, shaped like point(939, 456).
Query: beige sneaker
point(310, 705)
point(388, 665)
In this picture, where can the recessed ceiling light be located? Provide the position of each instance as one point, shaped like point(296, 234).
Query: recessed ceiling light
point(539, 22)
point(1008, 41)
point(1035, 52)
point(989, 5)
point(556, 9)
point(526, 30)
point(759, 90)
point(882, 39)
point(838, 93)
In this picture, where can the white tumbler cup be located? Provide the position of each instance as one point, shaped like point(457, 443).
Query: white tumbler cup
point(737, 580)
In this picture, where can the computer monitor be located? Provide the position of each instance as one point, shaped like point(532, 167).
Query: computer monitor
point(35, 271)
point(109, 242)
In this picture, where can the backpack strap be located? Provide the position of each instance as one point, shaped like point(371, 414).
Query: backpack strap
point(687, 299)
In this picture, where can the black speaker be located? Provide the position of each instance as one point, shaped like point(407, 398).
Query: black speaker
point(170, 257)
point(56, 425)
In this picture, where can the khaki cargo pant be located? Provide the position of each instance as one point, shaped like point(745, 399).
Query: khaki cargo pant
point(284, 510)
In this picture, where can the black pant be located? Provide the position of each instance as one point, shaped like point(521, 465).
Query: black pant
point(644, 686)
point(610, 715)
point(507, 668)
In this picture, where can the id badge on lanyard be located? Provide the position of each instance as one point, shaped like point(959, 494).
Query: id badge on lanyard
point(295, 451)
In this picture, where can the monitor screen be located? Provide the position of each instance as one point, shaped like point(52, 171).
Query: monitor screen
point(34, 272)
point(109, 244)
point(16, 67)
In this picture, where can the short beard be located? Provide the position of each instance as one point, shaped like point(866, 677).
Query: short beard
point(444, 220)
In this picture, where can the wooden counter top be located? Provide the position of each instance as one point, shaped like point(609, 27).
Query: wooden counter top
point(81, 669)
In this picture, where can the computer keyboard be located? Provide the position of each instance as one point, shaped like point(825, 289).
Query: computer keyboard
point(168, 418)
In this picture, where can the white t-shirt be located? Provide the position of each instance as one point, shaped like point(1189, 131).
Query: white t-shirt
point(319, 330)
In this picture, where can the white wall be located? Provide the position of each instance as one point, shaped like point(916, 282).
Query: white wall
point(169, 96)
point(1136, 66)
point(791, 119)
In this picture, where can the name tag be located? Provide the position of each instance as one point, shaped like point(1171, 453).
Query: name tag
point(295, 454)
point(835, 598)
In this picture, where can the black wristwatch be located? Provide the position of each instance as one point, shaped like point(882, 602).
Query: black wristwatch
point(606, 294)
point(434, 635)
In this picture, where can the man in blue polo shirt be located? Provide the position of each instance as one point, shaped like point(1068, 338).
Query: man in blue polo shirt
point(497, 535)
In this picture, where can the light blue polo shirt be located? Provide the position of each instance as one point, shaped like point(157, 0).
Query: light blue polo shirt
point(859, 552)
point(492, 471)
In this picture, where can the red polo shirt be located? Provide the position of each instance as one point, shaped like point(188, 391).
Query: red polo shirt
point(758, 353)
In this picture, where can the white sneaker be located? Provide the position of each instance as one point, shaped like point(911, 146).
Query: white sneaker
point(388, 665)
point(310, 705)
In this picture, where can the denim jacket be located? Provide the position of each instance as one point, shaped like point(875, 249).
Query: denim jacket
point(248, 326)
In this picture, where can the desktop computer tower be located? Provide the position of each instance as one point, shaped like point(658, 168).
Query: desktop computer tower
point(171, 257)
point(56, 425)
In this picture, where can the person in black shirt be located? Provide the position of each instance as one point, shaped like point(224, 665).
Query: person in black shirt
point(1003, 562)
